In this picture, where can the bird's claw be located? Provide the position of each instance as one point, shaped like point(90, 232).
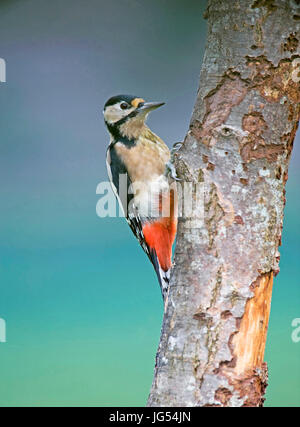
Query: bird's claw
point(176, 147)
point(171, 171)
point(170, 168)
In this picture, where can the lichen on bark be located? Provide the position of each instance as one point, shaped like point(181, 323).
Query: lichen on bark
point(239, 142)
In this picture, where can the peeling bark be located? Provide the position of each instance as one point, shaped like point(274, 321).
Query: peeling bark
point(211, 351)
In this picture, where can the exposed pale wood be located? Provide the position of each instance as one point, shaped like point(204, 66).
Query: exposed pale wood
point(249, 343)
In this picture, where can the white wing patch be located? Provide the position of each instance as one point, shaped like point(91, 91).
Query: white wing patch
point(108, 163)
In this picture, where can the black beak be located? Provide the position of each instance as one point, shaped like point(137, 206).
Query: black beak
point(149, 106)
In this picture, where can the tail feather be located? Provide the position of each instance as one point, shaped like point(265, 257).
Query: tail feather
point(159, 235)
point(164, 279)
point(162, 275)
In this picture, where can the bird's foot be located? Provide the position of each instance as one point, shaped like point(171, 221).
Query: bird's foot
point(176, 147)
point(170, 170)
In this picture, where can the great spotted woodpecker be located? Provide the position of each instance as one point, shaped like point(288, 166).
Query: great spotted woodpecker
point(150, 205)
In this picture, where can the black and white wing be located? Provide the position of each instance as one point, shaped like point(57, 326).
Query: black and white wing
point(115, 168)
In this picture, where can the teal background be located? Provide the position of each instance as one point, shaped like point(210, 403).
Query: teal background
point(80, 299)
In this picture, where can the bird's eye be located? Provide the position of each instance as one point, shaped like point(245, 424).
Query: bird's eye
point(124, 105)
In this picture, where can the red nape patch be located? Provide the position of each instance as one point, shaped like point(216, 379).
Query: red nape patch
point(160, 236)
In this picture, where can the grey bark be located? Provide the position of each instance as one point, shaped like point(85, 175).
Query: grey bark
point(238, 145)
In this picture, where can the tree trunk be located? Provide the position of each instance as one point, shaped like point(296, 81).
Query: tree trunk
point(239, 144)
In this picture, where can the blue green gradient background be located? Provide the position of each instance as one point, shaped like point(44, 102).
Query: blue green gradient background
point(80, 299)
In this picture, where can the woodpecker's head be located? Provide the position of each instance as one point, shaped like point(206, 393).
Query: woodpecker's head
point(125, 115)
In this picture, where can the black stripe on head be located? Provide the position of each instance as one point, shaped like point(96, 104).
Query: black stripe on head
point(114, 128)
point(119, 98)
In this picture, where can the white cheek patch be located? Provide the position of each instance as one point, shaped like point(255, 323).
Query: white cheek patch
point(114, 113)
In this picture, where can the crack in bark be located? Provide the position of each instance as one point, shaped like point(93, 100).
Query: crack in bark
point(213, 215)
